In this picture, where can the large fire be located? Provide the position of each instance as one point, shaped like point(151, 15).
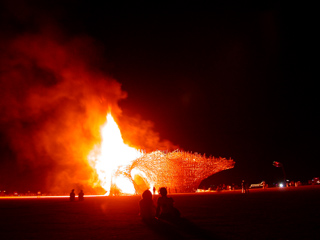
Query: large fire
point(52, 105)
point(113, 155)
point(123, 169)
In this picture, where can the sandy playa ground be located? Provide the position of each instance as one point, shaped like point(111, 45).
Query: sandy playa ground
point(287, 213)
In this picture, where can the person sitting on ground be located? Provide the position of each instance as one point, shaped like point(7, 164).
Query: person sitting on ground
point(165, 208)
point(72, 195)
point(147, 208)
point(80, 196)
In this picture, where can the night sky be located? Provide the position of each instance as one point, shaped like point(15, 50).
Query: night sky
point(235, 81)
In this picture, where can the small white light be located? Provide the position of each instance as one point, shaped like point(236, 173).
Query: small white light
point(280, 185)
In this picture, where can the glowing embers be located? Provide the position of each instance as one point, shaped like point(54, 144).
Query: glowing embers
point(111, 157)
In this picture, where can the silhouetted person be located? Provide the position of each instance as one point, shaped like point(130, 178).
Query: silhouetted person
point(165, 208)
point(244, 187)
point(154, 190)
point(72, 195)
point(80, 196)
point(147, 208)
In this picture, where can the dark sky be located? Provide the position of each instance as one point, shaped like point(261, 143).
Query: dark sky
point(226, 80)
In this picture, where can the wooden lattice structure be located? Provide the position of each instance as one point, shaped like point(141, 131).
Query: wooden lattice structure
point(178, 170)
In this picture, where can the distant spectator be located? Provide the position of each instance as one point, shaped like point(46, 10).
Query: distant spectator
point(81, 196)
point(72, 195)
point(154, 190)
point(147, 208)
point(244, 187)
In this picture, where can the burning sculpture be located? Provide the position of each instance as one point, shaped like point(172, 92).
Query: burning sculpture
point(125, 169)
point(178, 170)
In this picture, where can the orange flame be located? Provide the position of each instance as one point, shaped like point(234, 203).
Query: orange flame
point(112, 155)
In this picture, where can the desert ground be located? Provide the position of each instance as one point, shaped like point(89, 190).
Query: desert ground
point(274, 213)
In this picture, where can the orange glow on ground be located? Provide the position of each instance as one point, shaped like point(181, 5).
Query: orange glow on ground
point(113, 155)
point(33, 197)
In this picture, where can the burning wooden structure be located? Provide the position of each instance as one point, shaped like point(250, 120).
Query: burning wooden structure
point(123, 169)
point(179, 171)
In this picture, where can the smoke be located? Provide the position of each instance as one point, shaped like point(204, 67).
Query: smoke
point(53, 103)
point(140, 134)
point(54, 99)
